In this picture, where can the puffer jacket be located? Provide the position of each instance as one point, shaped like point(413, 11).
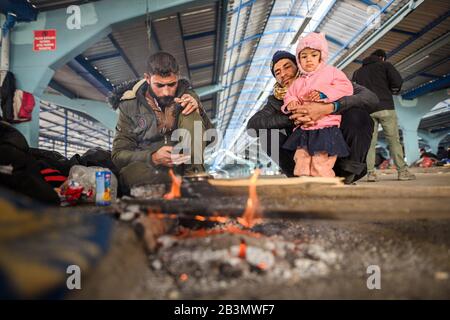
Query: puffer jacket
point(138, 132)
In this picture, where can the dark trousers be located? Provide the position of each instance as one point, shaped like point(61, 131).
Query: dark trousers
point(357, 129)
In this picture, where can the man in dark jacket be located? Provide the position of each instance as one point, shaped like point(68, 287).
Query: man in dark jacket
point(143, 149)
point(356, 125)
point(384, 80)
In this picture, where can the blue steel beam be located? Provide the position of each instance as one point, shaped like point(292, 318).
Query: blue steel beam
point(424, 30)
point(251, 80)
point(429, 75)
point(246, 62)
point(123, 54)
point(199, 35)
point(61, 89)
point(84, 68)
point(239, 93)
point(207, 90)
point(184, 45)
point(103, 56)
point(426, 69)
point(242, 5)
point(334, 40)
point(220, 47)
point(217, 39)
point(408, 33)
point(259, 35)
point(281, 16)
point(369, 3)
point(440, 83)
point(71, 142)
point(238, 10)
point(201, 66)
point(155, 36)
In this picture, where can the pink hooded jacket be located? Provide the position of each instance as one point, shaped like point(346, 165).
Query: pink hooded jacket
point(326, 79)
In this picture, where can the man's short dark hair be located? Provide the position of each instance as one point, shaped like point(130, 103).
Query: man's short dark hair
point(162, 64)
point(379, 53)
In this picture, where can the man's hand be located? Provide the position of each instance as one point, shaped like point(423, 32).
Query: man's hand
point(188, 103)
point(302, 120)
point(165, 157)
point(313, 96)
point(315, 110)
point(293, 106)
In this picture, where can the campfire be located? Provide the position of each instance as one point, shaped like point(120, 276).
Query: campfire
point(215, 250)
point(175, 191)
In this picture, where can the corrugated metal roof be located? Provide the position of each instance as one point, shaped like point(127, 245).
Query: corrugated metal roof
point(76, 84)
point(420, 19)
point(190, 35)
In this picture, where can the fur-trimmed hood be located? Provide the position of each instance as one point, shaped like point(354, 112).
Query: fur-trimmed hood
point(129, 89)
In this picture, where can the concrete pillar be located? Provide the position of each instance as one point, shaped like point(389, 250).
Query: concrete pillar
point(410, 113)
point(433, 138)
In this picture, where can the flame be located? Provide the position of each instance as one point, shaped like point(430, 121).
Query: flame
point(175, 191)
point(252, 212)
point(242, 250)
point(184, 277)
point(188, 233)
point(262, 266)
point(159, 215)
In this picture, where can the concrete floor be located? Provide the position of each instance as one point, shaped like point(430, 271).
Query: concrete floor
point(402, 227)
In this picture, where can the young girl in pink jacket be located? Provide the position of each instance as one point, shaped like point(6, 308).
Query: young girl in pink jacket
point(316, 147)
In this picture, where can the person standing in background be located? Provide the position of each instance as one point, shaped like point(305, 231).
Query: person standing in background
point(384, 80)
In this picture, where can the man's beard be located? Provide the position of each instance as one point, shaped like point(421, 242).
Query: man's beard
point(162, 101)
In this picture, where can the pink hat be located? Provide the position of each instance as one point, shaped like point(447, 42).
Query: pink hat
point(314, 41)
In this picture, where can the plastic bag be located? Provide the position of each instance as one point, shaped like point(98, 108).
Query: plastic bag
point(82, 179)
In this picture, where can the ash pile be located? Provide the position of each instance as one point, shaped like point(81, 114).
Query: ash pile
point(223, 257)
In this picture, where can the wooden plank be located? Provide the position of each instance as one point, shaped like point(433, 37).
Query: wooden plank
point(276, 181)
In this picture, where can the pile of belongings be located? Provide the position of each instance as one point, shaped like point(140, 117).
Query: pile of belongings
point(17, 105)
point(38, 173)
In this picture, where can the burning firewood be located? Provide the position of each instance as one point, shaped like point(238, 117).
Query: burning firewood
point(252, 213)
point(175, 190)
point(150, 228)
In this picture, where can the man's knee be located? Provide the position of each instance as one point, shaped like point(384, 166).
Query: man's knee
point(357, 119)
point(390, 131)
point(141, 173)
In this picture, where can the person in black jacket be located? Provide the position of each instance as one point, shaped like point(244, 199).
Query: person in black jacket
point(384, 80)
point(356, 125)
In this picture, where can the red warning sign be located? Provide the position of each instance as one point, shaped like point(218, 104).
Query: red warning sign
point(44, 40)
